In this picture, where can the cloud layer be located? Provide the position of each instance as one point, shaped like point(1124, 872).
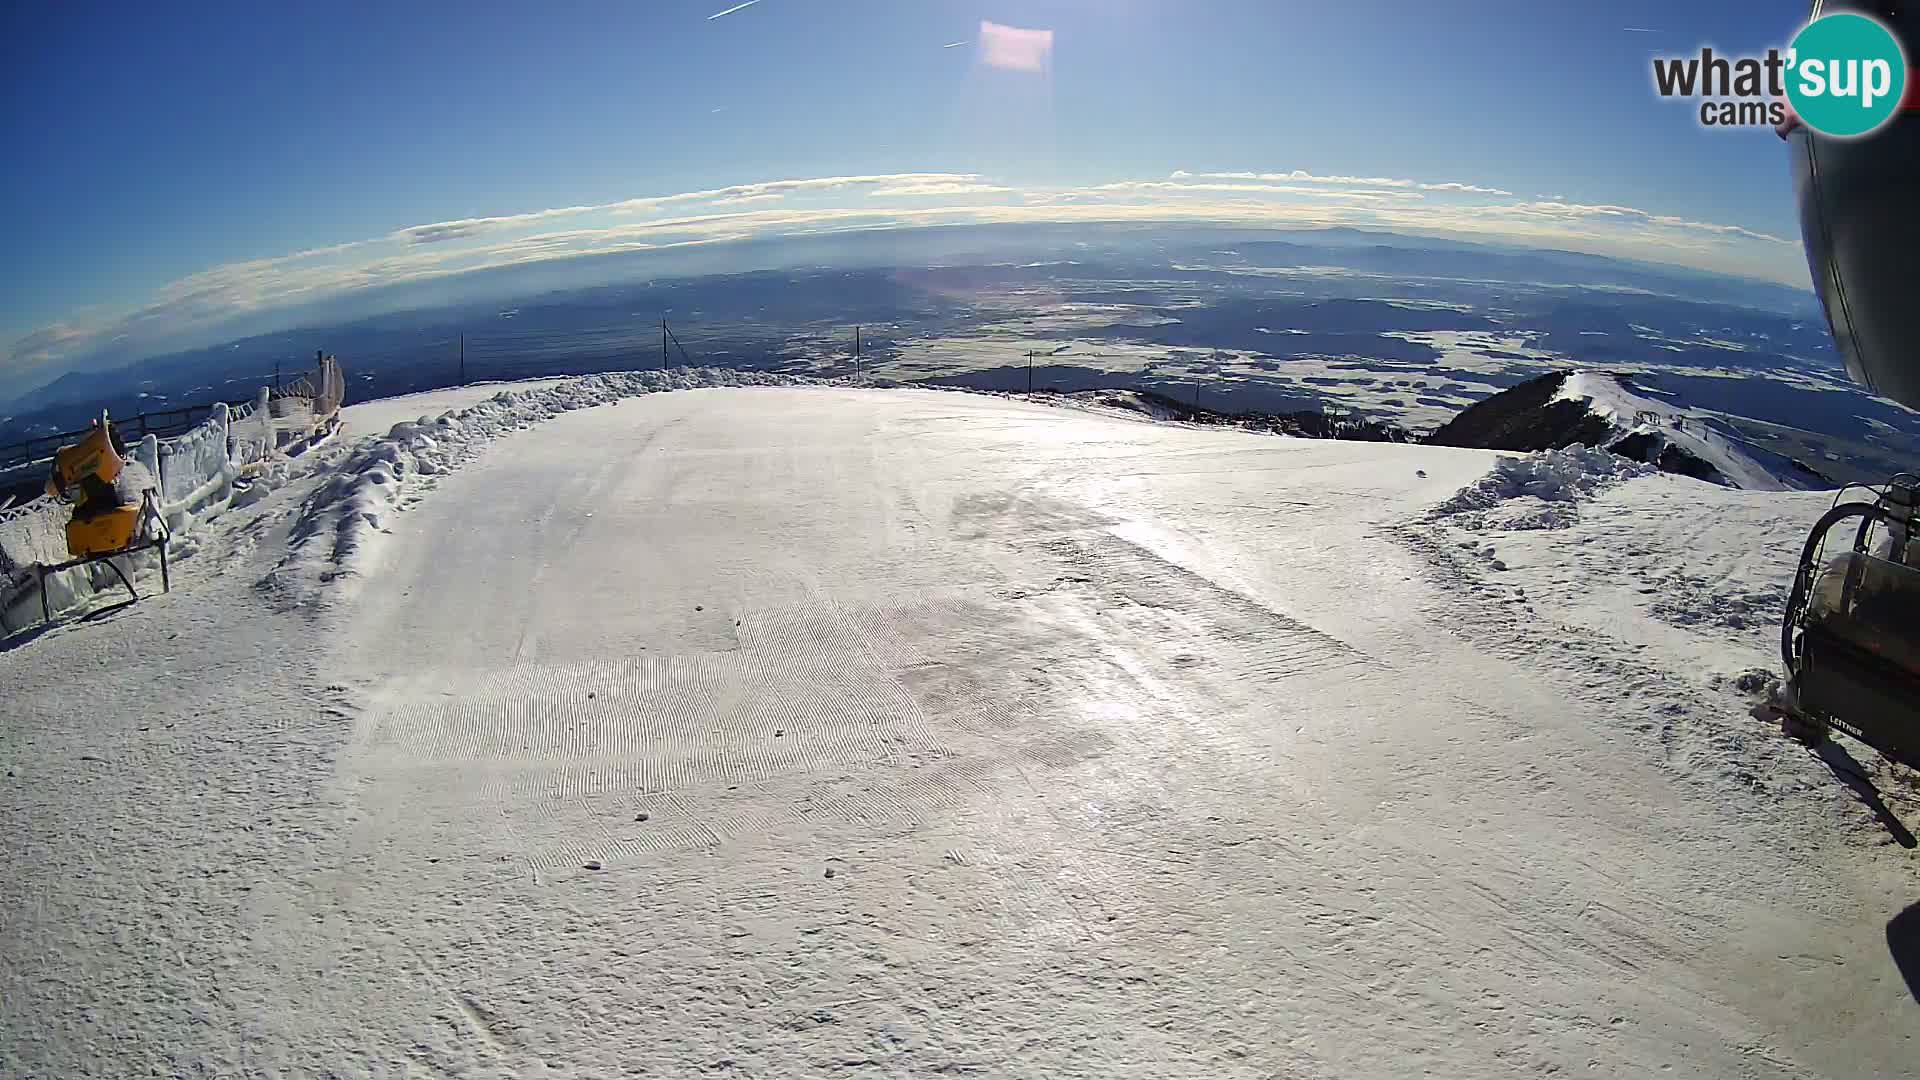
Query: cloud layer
point(248, 297)
point(1299, 176)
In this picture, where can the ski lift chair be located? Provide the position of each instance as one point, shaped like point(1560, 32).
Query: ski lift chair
point(1851, 637)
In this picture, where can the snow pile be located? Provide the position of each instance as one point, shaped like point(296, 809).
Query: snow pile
point(267, 476)
point(335, 533)
point(1539, 491)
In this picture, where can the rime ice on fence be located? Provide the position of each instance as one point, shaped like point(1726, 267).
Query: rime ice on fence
point(195, 464)
point(250, 431)
point(32, 533)
point(193, 475)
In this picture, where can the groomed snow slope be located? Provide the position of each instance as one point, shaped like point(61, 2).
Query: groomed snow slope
point(818, 732)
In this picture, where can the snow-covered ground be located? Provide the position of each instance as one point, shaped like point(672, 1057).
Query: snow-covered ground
point(796, 731)
point(375, 417)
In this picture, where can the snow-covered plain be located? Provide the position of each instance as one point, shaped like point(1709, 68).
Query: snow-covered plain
point(793, 731)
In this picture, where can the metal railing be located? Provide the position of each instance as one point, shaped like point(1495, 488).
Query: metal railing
point(161, 423)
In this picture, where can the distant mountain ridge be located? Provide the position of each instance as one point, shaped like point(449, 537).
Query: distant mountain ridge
point(1381, 252)
point(1607, 411)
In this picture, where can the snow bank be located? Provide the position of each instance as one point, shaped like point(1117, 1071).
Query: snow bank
point(336, 533)
point(1539, 491)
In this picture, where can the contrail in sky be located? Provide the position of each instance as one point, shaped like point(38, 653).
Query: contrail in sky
point(1638, 30)
point(731, 10)
point(956, 44)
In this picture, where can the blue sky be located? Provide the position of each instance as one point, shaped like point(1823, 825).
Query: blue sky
point(166, 160)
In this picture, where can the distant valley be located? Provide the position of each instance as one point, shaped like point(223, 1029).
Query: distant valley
point(1406, 331)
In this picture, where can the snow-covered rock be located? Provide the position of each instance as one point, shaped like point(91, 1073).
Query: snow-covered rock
point(1610, 412)
point(1682, 440)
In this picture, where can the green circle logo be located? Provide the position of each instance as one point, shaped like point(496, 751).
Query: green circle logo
point(1846, 74)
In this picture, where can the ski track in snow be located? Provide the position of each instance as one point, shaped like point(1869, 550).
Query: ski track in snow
point(792, 732)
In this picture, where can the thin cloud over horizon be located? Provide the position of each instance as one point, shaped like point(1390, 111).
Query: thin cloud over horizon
point(205, 307)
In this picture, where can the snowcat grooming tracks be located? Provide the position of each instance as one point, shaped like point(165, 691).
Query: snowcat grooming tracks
point(149, 514)
point(1850, 637)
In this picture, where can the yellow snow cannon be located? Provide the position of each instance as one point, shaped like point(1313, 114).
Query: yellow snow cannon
point(105, 519)
point(114, 512)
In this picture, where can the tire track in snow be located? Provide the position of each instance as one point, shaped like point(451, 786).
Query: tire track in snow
point(955, 692)
point(1154, 661)
point(1227, 627)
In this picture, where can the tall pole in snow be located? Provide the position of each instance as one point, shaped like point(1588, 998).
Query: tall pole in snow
point(463, 359)
point(856, 352)
point(663, 343)
point(1030, 353)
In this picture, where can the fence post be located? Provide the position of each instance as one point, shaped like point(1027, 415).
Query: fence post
point(263, 408)
point(149, 455)
point(222, 417)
